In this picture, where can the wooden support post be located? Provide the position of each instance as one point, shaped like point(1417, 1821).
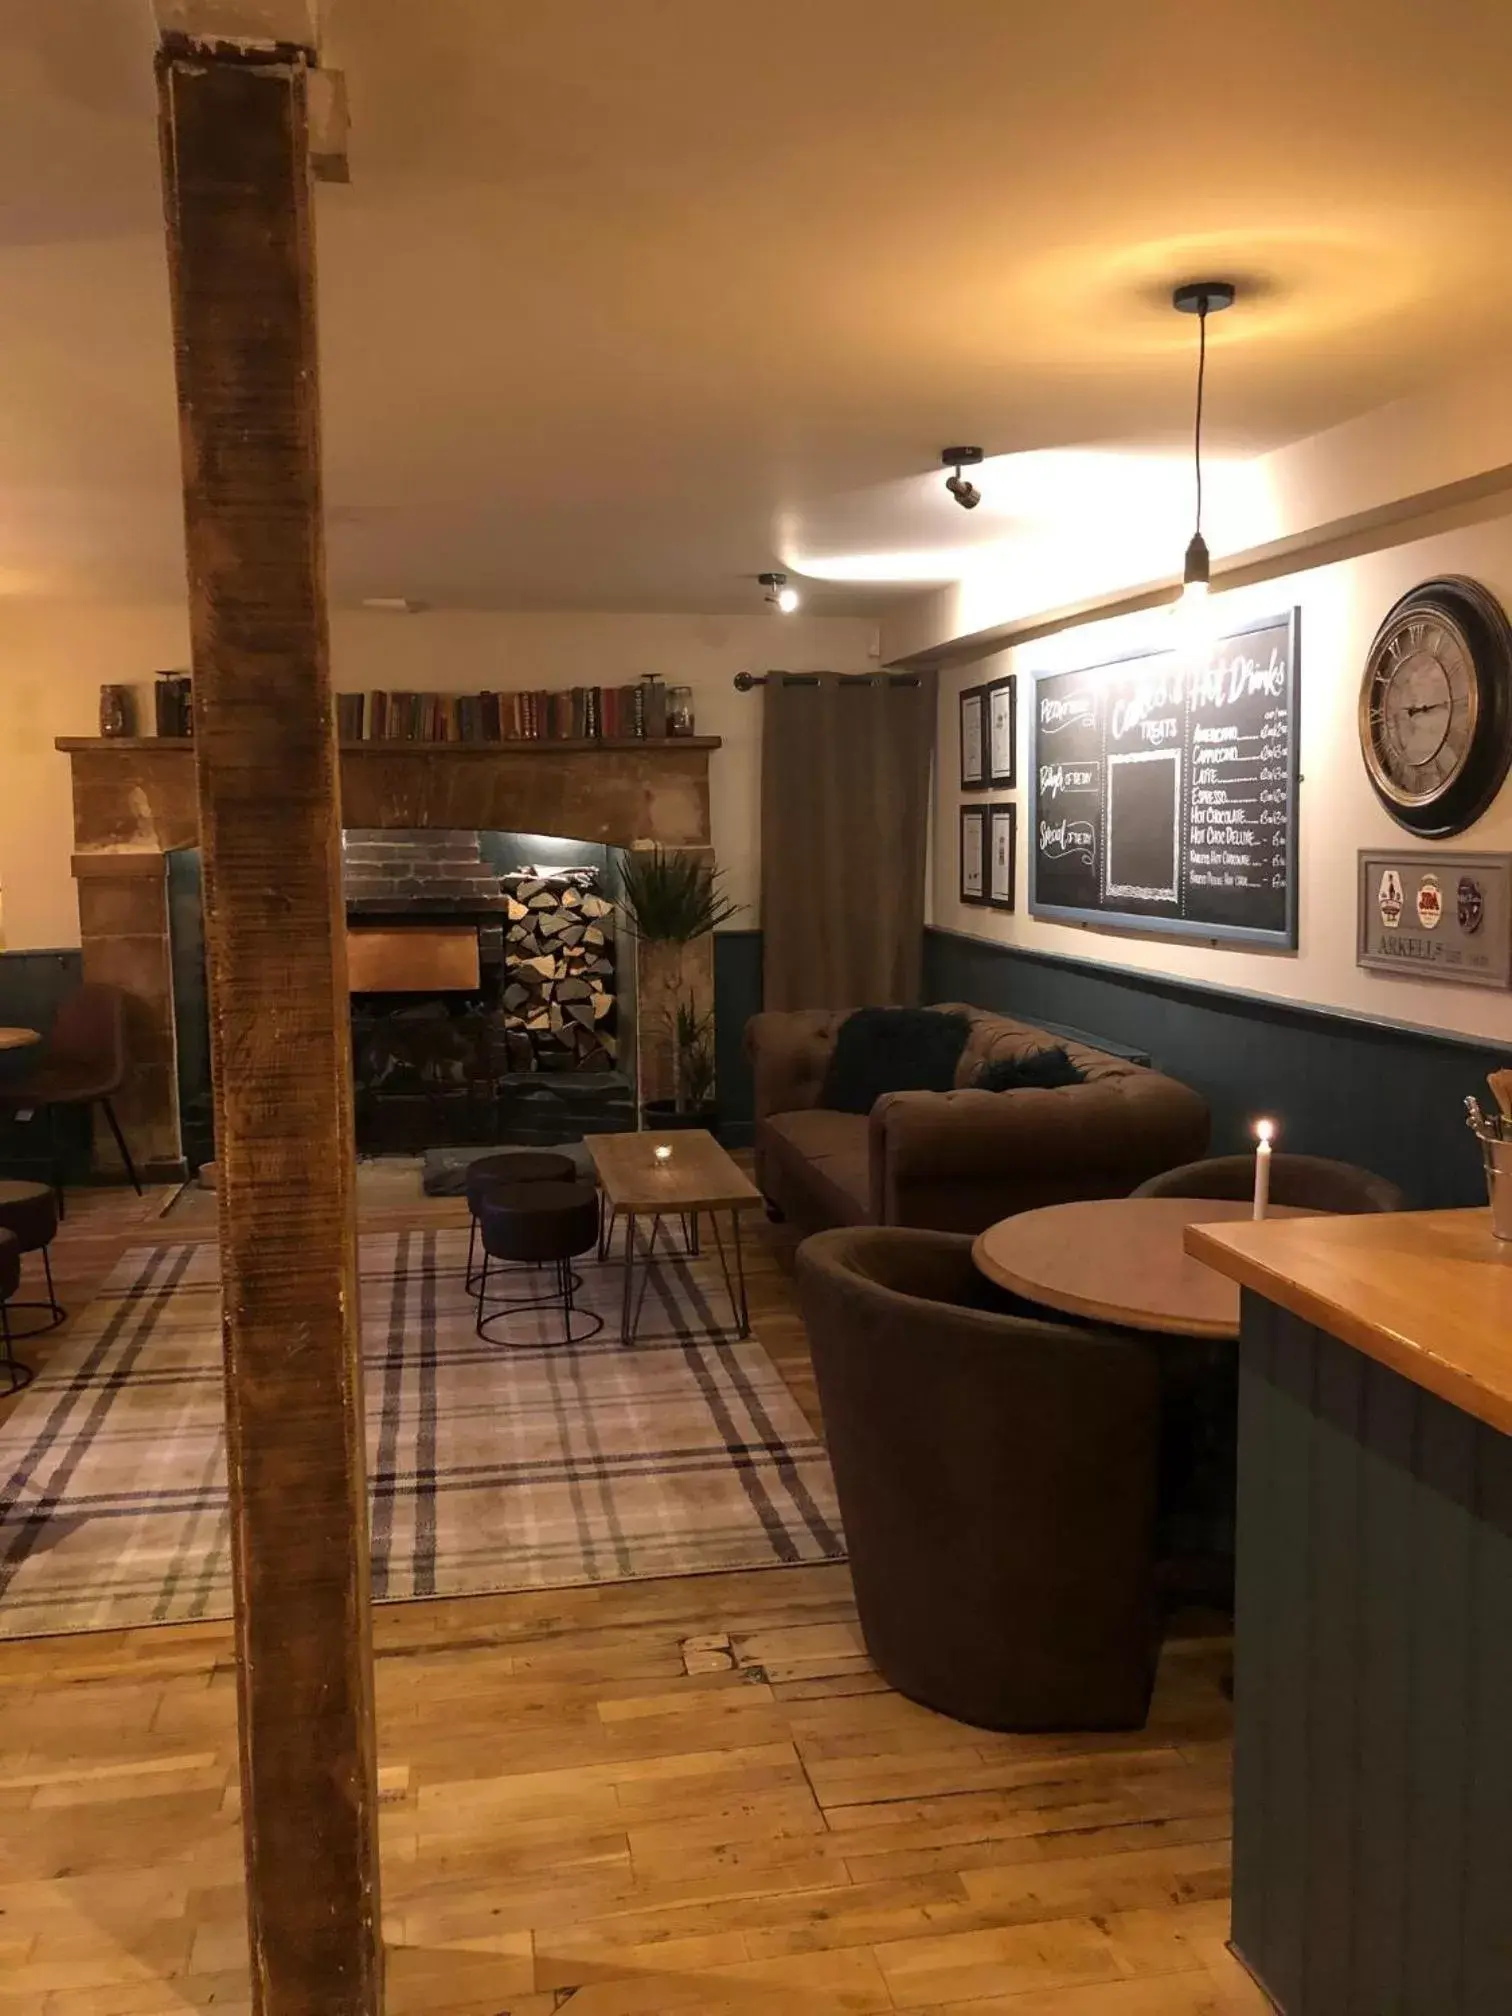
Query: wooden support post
point(241, 263)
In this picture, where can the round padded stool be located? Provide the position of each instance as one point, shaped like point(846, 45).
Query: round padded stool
point(10, 1280)
point(29, 1211)
point(510, 1165)
point(536, 1225)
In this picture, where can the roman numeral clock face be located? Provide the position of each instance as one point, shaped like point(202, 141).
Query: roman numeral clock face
point(1435, 691)
point(1423, 704)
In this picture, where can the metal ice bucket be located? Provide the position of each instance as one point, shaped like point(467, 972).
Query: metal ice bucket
point(1497, 1149)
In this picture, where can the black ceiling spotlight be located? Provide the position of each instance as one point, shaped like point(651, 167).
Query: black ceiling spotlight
point(965, 494)
point(778, 592)
point(1200, 298)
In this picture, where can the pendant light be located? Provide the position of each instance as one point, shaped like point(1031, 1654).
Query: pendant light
point(1200, 298)
point(779, 592)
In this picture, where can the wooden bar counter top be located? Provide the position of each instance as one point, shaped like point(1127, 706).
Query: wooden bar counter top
point(1426, 1293)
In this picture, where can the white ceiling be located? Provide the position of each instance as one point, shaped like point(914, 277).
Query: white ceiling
point(629, 299)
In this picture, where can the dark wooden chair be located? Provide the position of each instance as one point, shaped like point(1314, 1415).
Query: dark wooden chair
point(84, 1065)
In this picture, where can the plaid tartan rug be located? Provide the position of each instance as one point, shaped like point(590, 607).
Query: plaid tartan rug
point(492, 1467)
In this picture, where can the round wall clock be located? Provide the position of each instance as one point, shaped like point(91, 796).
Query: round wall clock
point(1436, 706)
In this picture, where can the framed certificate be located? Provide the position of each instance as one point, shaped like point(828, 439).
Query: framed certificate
point(973, 853)
point(974, 739)
point(1002, 855)
point(1001, 708)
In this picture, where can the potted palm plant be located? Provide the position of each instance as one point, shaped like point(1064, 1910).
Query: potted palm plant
point(672, 901)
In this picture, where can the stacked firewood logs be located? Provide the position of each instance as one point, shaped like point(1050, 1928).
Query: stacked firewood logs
point(559, 944)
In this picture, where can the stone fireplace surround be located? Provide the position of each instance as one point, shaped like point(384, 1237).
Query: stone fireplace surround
point(135, 803)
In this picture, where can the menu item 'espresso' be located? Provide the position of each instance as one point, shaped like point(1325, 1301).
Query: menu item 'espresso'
point(1165, 791)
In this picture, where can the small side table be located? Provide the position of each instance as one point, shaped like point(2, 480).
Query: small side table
point(694, 1175)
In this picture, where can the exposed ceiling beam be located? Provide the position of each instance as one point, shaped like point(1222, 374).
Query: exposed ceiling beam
point(281, 25)
point(251, 23)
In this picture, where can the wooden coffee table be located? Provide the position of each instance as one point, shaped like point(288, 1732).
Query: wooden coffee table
point(696, 1175)
point(18, 1039)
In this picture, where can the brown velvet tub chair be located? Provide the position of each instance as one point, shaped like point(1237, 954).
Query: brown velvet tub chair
point(1309, 1182)
point(997, 1480)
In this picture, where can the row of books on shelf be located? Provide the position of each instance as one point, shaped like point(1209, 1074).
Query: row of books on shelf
point(571, 714)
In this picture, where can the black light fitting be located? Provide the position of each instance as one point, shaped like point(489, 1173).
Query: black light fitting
point(778, 592)
point(965, 493)
point(1200, 298)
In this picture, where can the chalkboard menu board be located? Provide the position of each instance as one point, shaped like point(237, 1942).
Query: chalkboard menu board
point(1165, 792)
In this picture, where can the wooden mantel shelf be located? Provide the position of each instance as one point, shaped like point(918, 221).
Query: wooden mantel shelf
point(512, 745)
point(138, 791)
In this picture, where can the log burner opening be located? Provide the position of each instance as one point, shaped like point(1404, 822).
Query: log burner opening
point(485, 988)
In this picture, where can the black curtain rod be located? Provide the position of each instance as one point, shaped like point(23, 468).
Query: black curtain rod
point(744, 681)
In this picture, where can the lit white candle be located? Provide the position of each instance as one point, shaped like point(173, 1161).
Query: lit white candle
point(1265, 1131)
point(662, 1152)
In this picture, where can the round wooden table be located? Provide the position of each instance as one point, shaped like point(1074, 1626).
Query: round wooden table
point(18, 1039)
point(1120, 1260)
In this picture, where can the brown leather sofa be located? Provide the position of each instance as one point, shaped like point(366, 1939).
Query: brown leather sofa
point(996, 1479)
point(957, 1161)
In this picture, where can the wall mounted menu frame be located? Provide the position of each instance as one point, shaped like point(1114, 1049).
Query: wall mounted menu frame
point(973, 858)
point(973, 738)
point(1165, 791)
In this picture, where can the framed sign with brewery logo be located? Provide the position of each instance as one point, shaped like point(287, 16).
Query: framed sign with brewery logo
point(1436, 916)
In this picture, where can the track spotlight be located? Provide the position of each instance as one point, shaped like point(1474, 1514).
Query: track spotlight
point(779, 593)
point(966, 494)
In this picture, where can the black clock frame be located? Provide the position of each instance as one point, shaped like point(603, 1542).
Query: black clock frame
point(1475, 611)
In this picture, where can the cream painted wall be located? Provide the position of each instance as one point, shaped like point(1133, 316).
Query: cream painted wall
point(1447, 447)
point(1341, 607)
point(54, 658)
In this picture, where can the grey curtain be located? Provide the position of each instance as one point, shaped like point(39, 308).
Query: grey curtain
point(844, 819)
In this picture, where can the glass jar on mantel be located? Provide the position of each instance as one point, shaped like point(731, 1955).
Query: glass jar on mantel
point(117, 712)
point(680, 710)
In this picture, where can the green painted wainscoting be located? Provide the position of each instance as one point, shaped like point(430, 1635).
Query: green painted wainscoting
point(1386, 1097)
point(737, 997)
point(1372, 1739)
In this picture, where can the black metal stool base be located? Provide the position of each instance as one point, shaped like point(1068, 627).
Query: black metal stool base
point(16, 1375)
point(579, 1326)
point(473, 1285)
point(504, 1306)
point(11, 1369)
point(52, 1308)
point(55, 1315)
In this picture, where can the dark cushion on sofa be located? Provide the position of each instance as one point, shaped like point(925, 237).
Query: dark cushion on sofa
point(1042, 1070)
point(881, 1050)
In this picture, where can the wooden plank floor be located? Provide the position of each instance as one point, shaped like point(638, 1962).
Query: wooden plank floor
point(688, 1796)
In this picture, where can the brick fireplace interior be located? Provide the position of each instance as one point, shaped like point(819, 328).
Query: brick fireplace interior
point(485, 988)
